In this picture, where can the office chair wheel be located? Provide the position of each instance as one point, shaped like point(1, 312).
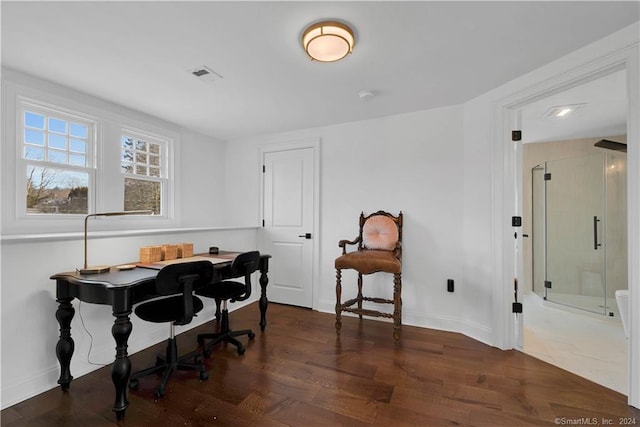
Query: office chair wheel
point(241, 350)
point(133, 384)
point(251, 335)
point(158, 393)
point(204, 375)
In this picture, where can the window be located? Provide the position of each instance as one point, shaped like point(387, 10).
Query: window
point(143, 165)
point(56, 161)
point(75, 156)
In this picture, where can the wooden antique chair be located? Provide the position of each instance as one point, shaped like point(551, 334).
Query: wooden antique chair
point(379, 250)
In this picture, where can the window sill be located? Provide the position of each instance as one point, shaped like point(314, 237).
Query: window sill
point(48, 237)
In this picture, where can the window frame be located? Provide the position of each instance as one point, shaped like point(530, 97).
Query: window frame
point(24, 105)
point(165, 161)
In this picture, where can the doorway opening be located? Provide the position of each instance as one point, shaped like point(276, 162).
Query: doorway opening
point(574, 257)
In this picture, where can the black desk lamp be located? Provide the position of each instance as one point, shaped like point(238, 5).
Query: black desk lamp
point(102, 268)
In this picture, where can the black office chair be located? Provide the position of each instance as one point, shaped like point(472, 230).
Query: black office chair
point(181, 279)
point(243, 266)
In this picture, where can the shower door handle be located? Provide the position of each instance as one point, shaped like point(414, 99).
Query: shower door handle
point(595, 233)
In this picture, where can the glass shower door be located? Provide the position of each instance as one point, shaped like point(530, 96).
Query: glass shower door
point(575, 254)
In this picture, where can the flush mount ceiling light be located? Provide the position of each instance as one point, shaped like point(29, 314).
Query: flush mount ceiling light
point(328, 41)
point(563, 110)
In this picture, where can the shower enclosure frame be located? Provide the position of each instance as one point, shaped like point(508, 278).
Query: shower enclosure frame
point(583, 253)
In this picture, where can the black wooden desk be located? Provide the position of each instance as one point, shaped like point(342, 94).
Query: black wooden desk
point(121, 290)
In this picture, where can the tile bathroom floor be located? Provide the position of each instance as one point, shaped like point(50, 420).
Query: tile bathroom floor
point(589, 345)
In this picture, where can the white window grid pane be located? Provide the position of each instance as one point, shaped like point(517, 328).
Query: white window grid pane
point(78, 146)
point(33, 152)
point(34, 137)
point(77, 159)
point(42, 142)
point(34, 120)
point(141, 157)
point(58, 156)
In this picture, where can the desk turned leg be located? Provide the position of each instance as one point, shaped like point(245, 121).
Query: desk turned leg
point(264, 302)
point(121, 369)
point(65, 346)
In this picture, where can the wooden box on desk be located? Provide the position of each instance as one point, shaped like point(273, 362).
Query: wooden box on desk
point(169, 252)
point(150, 254)
point(185, 250)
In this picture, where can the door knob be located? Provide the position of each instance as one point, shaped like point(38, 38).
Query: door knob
point(306, 235)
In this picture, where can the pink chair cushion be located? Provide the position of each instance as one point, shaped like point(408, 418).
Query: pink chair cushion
point(380, 232)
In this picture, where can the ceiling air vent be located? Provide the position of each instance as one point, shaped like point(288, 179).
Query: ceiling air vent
point(206, 74)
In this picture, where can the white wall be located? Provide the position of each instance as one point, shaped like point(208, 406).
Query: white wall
point(476, 228)
point(409, 162)
point(203, 191)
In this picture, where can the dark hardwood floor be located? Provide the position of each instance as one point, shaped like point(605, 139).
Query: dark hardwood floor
point(298, 373)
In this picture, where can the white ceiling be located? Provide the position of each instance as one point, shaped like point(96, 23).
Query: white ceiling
point(414, 55)
point(603, 112)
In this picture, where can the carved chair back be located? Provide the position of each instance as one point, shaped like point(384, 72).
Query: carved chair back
point(381, 231)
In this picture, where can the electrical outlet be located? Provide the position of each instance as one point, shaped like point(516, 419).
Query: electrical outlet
point(449, 285)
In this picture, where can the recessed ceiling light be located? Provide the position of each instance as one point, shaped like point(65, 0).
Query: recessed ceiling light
point(562, 111)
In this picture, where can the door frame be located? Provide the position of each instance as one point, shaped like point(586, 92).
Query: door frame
point(506, 168)
point(289, 145)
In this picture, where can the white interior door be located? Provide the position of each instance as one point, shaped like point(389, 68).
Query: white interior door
point(288, 232)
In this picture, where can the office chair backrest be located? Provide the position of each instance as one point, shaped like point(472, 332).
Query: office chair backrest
point(244, 265)
point(184, 278)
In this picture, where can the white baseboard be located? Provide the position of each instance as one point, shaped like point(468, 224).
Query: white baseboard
point(471, 329)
